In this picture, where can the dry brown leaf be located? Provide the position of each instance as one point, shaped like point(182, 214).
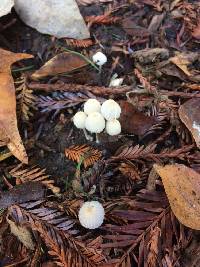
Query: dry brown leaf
point(8, 118)
point(61, 63)
point(133, 121)
point(182, 60)
point(182, 186)
point(189, 113)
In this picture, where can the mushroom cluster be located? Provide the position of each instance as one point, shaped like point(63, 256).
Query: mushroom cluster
point(96, 117)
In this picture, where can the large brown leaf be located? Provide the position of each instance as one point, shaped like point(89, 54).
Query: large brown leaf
point(182, 186)
point(61, 63)
point(189, 113)
point(8, 120)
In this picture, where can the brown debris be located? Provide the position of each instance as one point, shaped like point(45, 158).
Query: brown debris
point(22, 193)
point(189, 113)
point(150, 55)
point(133, 121)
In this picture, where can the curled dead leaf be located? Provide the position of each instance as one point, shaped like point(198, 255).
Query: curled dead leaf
point(8, 118)
point(189, 113)
point(133, 121)
point(61, 63)
point(182, 186)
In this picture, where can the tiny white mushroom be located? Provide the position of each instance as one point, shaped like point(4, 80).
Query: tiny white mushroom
point(79, 121)
point(113, 127)
point(99, 58)
point(91, 214)
point(95, 123)
point(116, 82)
point(110, 110)
point(92, 105)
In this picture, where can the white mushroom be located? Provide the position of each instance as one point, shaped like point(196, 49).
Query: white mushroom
point(79, 121)
point(110, 110)
point(92, 105)
point(113, 127)
point(99, 58)
point(95, 123)
point(91, 214)
point(116, 82)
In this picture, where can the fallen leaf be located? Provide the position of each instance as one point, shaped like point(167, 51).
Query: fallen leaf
point(61, 63)
point(182, 60)
point(8, 118)
point(22, 193)
point(22, 233)
point(182, 186)
point(134, 122)
point(189, 114)
point(131, 28)
point(196, 31)
point(172, 70)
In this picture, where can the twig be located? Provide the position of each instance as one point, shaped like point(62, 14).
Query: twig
point(71, 87)
point(79, 88)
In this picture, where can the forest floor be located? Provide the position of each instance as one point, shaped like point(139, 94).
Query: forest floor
point(154, 46)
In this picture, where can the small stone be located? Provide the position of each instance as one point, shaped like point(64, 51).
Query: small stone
point(60, 18)
point(5, 7)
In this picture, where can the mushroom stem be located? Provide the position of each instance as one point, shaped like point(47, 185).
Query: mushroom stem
point(97, 138)
point(87, 136)
point(100, 69)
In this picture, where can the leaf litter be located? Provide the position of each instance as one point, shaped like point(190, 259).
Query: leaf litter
point(147, 177)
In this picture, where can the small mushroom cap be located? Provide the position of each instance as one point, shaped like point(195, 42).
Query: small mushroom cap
point(116, 82)
point(99, 58)
point(110, 110)
point(95, 122)
point(79, 119)
point(113, 127)
point(91, 214)
point(92, 105)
